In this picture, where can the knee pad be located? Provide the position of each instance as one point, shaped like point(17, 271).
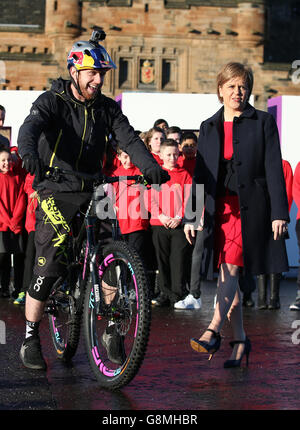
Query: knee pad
point(40, 287)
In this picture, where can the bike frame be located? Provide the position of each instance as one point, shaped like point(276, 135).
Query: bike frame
point(89, 222)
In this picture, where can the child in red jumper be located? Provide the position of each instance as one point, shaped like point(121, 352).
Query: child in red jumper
point(132, 216)
point(188, 149)
point(30, 229)
point(296, 196)
point(12, 208)
point(167, 206)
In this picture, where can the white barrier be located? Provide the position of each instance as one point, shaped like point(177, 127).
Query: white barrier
point(186, 111)
point(17, 105)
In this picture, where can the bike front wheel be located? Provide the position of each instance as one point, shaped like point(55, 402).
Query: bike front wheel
point(117, 333)
point(64, 324)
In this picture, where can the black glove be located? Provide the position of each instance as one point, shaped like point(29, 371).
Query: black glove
point(156, 176)
point(33, 165)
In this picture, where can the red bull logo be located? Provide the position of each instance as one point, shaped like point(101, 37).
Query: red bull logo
point(76, 58)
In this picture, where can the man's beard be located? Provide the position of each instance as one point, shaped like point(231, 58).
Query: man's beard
point(87, 95)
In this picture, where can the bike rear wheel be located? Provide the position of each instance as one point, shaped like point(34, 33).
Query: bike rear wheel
point(117, 336)
point(65, 304)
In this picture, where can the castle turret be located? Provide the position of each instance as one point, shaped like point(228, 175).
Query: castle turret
point(62, 26)
point(251, 21)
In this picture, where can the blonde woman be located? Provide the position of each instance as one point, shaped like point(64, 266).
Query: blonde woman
point(246, 210)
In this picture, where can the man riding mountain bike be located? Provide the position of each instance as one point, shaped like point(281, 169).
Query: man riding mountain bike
point(68, 128)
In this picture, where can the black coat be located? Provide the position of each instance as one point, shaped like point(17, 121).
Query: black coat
point(260, 187)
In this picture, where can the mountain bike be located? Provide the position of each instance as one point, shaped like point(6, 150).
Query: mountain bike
point(105, 288)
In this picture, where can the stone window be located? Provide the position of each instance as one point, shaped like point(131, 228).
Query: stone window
point(168, 77)
point(125, 72)
point(146, 69)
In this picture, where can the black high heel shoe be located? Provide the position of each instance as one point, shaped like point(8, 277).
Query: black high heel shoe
point(202, 346)
point(237, 363)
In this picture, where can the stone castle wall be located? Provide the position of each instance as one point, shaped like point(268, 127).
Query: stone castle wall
point(173, 46)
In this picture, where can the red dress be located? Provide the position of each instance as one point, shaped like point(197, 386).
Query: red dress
point(228, 231)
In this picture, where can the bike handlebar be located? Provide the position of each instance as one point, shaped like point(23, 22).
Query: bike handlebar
point(54, 174)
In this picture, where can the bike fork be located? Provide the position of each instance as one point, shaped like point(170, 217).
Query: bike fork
point(90, 228)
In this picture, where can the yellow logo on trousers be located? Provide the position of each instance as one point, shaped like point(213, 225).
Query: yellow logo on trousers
point(53, 213)
point(41, 261)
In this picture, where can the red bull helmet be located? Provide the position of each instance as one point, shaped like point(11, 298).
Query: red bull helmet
point(90, 55)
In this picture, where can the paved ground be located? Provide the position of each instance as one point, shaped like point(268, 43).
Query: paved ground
point(173, 377)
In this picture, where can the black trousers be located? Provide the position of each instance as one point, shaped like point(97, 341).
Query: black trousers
point(29, 261)
point(5, 271)
point(173, 254)
point(141, 241)
point(54, 215)
point(195, 278)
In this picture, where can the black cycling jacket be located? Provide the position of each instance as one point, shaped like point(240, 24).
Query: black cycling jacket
point(72, 135)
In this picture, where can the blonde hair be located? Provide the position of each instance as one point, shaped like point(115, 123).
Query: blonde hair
point(233, 70)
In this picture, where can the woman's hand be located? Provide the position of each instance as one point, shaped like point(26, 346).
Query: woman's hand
point(190, 232)
point(279, 228)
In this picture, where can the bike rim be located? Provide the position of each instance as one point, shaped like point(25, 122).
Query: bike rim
point(60, 322)
point(122, 313)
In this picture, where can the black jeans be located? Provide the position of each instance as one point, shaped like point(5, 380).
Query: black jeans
point(139, 240)
point(173, 253)
point(195, 280)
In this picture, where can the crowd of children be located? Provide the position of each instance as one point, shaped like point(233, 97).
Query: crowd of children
point(151, 220)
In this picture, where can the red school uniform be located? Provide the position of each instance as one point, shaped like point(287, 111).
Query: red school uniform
point(12, 201)
point(187, 164)
point(109, 166)
point(157, 158)
point(131, 213)
point(172, 198)
point(31, 204)
point(288, 177)
point(296, 189)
